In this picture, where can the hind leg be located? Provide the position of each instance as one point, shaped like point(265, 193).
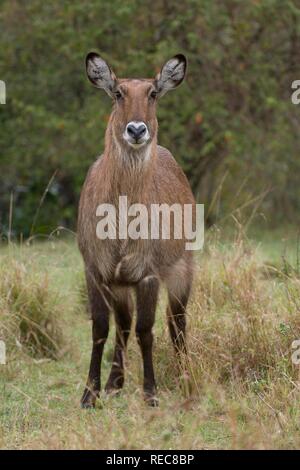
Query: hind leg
point(123, 309)
point(179, 285)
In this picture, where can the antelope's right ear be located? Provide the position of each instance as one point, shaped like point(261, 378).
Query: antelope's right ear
point(100, 74)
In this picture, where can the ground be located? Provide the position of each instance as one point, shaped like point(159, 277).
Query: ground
point(243, 318)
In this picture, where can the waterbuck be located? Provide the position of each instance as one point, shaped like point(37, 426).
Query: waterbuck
point(133, 165)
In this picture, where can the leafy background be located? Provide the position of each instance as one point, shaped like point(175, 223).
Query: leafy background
point(231, 126)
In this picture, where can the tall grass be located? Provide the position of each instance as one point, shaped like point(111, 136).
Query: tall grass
point(29, 310)
point(243, 388)
point(243, 321)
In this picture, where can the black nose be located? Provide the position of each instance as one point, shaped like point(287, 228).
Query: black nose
point(136, 131)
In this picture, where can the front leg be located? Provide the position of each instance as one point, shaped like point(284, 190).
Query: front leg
point(100, 317)
point(147, 294)
point(123, 309)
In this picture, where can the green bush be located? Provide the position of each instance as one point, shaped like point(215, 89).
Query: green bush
point(233, 116)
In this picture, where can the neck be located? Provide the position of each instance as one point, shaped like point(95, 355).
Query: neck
point(129, 170)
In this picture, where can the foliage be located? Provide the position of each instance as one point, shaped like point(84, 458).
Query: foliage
point(231, 126)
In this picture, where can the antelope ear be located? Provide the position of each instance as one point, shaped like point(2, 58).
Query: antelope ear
point(100, 74)
point(171, 75)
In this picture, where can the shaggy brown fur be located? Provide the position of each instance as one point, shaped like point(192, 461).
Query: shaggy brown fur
point(146, 175)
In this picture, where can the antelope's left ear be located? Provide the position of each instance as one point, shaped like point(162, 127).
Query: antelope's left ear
point(171, 75)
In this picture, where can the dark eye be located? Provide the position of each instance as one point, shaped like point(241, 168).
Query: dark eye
point(118, 95)
point(153, 94)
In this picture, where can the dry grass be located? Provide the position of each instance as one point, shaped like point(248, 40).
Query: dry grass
point(29, 310)
point(245, 388)
point(245, 322)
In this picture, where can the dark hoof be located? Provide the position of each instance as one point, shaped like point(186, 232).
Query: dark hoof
point(113, 391)
point(88, 399)
point(151, 401)
point(114, 385)
point(87, 405)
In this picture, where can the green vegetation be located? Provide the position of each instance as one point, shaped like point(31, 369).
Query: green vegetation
point(233, 129)
point(29, 312)
point(243, 318)
point(233, 126)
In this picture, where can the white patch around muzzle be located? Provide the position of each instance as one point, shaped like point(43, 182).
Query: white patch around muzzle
point(136, 134)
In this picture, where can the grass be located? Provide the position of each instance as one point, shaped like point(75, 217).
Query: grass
point(29, 310)
point(243, 318)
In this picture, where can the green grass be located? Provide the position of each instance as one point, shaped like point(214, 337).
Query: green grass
point(241, 325)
